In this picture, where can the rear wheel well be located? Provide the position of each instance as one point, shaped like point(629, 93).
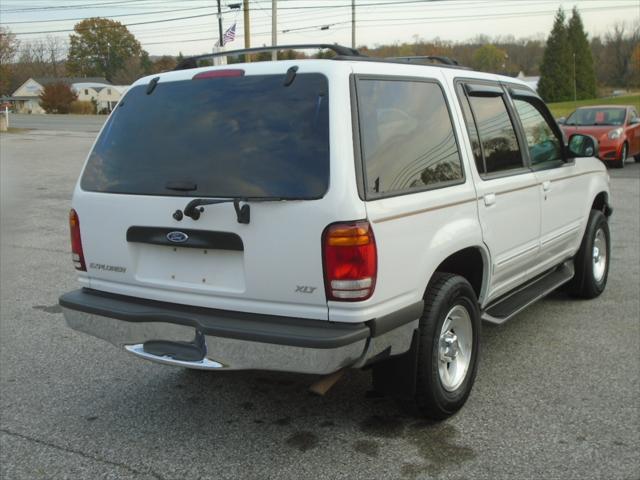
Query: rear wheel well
point(467, 263)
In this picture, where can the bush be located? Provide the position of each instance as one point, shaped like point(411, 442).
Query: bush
point(81, 107)
point(57, 98)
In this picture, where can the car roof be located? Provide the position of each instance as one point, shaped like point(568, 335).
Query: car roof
point(328, 66)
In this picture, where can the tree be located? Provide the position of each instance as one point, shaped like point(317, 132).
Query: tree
point(489, 58)
point(556, 77)
point(585, 75)
point(8, 48)
point(100, 47)
point(163, 64)
point(133, 69)
point(57, 98)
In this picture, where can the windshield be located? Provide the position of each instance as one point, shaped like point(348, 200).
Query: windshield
point(246, 136)
point(597, 116)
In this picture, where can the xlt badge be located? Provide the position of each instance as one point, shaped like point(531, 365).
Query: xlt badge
point(305, 289)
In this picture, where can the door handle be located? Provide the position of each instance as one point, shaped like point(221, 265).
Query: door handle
point(546, 185)
point(490, 199)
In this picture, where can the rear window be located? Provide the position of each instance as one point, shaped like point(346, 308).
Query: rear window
point(247, 136)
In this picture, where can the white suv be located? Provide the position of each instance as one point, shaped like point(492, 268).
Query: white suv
point(316, 215)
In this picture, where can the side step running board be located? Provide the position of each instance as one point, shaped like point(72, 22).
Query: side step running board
point(507, 307)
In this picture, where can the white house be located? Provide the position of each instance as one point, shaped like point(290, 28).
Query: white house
point(26, 97)
point(109, 96)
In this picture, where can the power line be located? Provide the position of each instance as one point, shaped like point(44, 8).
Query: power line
point(66, 7)
point(109, 16)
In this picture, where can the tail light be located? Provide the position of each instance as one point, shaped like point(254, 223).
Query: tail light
point(76, 242)
point(350, 261)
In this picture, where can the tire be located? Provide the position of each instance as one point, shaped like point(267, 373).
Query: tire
point(592, 260)
point(623, 156)
point(442, 387)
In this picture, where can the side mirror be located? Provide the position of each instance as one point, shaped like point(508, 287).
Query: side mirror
point(561, 120)
point(634, 121)
point(582, 146)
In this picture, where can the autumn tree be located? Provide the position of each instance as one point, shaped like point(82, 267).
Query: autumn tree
point(101, 47)
point(489, 58)
point(163, 64)
point(8, 48)
point(556, 76)
point(57, 98)
point(585, 75)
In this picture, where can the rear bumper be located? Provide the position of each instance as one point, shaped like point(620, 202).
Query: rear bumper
point(236, 340)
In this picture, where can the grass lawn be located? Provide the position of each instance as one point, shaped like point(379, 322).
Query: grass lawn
point(562, 109)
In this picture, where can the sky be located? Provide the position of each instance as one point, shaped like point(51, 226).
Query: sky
point(191, 26)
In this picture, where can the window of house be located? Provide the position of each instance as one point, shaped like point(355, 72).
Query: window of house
point(86, 91)
point(108, 91)
point(407, 138)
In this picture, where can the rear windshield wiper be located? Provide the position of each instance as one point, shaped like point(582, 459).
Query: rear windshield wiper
point(195, 207)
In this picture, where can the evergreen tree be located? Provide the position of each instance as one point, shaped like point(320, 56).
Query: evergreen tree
point(585, 75)
point(556, 71)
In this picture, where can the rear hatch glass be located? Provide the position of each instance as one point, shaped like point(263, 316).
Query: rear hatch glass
point(243, 137)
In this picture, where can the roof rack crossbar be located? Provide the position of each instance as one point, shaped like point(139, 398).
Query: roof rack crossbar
point(418, 58)
point(192, 62)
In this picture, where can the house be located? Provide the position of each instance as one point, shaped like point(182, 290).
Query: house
point(109, 96)
point(531, 81)
point(26, 97)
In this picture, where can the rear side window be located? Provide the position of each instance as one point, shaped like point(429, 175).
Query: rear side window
point(497, 135)
point(407, 138)
point(247, 136)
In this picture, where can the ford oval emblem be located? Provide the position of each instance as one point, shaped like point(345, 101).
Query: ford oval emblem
point(177, 237)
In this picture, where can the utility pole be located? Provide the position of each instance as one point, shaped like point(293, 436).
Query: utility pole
point(247, 24)
point(274, 26)
point(353, 23)
point(220, 43)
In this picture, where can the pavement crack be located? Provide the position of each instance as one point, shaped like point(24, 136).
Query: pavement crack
point(82, 454)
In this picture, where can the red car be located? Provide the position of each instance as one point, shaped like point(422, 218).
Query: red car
point(616, 127)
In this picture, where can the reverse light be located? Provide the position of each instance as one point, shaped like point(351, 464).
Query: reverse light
point(615, 133)
point(76, 242)
point(229, 72)
point(350, 261)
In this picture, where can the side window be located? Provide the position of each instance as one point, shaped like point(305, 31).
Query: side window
point(497, 136)
point(406, 135)
point(543, 145)
point(471, 129)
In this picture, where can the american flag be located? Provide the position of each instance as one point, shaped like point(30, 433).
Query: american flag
point(229, 35)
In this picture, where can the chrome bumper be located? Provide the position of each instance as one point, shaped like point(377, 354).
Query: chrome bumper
point(228, 353)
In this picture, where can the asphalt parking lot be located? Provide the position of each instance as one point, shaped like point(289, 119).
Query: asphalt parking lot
point(556, 395)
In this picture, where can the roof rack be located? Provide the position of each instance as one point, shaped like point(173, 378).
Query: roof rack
point(427, 59)
point(192, 62)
